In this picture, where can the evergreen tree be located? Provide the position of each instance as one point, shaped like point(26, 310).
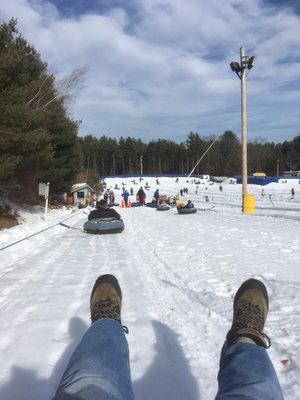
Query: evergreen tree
point(37, 139)
point(24, 144)
point(229, 154)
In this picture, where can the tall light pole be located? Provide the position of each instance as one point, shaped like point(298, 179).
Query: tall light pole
point(242, 69)
point(141, 164)
point(244, 124)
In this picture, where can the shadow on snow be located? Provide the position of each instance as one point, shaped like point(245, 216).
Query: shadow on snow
point(168, 377)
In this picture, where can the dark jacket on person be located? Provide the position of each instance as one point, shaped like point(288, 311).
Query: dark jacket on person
point(141, 193)
point(101, 213)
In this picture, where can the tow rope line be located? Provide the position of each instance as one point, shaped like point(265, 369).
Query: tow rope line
point(71, 227)
point(43, 230)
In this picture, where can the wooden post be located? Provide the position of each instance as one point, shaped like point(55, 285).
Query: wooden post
point(46, 197)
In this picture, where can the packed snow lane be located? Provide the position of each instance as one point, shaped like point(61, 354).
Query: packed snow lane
point(178, 275)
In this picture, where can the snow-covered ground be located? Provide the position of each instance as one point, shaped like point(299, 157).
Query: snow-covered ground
point(31, 223)
point(178, 274)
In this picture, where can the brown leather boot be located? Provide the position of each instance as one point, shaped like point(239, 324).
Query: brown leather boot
point(250, 310)
point(106, 299)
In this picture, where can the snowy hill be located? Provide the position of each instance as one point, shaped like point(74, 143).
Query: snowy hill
point(178, 276)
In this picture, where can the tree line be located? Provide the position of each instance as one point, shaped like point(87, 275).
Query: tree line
point(108, 156)
point(39, 142)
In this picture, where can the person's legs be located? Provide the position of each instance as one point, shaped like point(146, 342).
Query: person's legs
point(99, 367)
point(246, 371)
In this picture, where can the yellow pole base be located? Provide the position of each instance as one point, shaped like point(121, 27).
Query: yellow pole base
point(248, 204)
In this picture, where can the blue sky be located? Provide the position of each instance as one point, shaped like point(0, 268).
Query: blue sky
point(160, 68)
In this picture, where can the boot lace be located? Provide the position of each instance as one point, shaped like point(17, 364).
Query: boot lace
point(107, 309)
point(250, 316)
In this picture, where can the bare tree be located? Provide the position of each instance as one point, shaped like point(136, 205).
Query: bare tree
point(48, 88)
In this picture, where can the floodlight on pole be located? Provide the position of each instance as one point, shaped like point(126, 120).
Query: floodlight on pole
point(246, 62)
point(235, 66)
point(251, 62)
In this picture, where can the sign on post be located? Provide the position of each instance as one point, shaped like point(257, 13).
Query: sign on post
point(44, 191)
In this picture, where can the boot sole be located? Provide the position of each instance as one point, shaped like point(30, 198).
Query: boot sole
point(107, 279)
point(251, 284)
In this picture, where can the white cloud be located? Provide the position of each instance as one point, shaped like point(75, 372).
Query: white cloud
point(164, 70)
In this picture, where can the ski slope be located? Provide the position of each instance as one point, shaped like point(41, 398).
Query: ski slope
point(178, 274)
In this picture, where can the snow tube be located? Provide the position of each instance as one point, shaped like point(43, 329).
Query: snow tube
point(152, 205)
point(163, 208)
point(187, 210)
point(104, 226)
point(135, 204)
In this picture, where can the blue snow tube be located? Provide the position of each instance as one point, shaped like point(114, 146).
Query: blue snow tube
point(166, 207)
point(187, 210)
point(104, 226)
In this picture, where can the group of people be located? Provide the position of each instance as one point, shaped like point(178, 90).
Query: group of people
point(109, 197)
point(104, 210)
point(263, 193)
point(161, 200)
point(140, 196)
point(183, 191)
point(187, 181)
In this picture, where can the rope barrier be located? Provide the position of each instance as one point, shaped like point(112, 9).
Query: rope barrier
point(43, 230)
point(71, 227)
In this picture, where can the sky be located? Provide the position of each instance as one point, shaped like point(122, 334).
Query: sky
point(160, 68)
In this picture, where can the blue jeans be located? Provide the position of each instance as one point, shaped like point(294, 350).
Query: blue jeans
point(99, 369)
point(246, 373)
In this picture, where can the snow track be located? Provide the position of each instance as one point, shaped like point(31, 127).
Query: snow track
point(178, 276)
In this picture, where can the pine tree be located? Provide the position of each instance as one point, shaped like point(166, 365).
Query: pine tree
point(37, 139)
